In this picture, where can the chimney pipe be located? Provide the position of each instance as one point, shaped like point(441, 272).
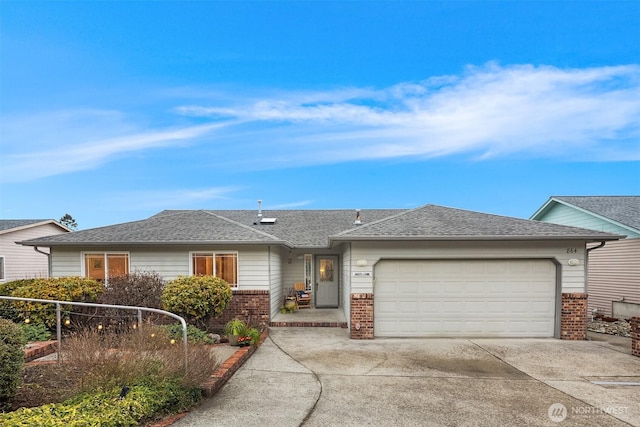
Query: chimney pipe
point(358, 221)
point(259, 208)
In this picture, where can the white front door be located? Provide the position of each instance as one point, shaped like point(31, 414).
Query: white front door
point(326, 288)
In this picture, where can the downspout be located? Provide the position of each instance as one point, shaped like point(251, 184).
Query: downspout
point(49, 269)
point(596, 247)
point(586, 261)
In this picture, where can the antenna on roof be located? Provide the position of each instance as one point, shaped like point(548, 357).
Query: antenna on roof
point(358, 221)
point(259, 208)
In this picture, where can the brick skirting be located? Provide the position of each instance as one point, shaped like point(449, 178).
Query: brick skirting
point(251, 306)
point(573, 320)
point(230, 366)
point(362, 316)
point(635, 336)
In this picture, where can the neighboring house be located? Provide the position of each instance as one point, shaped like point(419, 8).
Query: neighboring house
point(429, 271)
point(20, 262)
point(613, 270)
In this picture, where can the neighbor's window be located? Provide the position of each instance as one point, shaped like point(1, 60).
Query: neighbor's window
point(101, 266)
point(222, 265)
point(2, 268)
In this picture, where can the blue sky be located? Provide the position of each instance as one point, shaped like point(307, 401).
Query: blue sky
point(113, 111)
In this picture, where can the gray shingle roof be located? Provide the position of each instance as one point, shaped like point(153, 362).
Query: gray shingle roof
point(8, 224)
point(622, 209)
point(176, 227)
point(438, 222)
point(314, 228)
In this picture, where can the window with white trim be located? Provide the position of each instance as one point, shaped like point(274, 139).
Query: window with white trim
point(101, 266)
point(220, 264)
point(2, 276)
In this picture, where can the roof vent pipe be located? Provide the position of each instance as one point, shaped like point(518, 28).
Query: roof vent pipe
point(259, 208)
point(358, 221)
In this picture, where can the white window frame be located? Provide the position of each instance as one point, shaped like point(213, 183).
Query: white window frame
point(213, 254)
point(3, 275)
point(83, 256)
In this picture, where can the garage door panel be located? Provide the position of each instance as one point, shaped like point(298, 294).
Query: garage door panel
point(408, 288)
point(494, 298)
point(408, 307)
point(387, 307)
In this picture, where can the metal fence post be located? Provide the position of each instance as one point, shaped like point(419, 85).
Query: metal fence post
point(59, 329)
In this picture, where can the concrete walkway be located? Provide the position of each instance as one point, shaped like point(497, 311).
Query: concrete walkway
point(319, 377)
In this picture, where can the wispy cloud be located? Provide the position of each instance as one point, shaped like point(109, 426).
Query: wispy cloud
point(487, 111)
point(291, 205)
point(181, 198)
point(48, 144)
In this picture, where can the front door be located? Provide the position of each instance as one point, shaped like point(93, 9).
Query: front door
point(327, 275)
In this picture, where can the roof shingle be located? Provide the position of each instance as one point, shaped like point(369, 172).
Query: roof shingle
point(315, 228)
point(622, 209)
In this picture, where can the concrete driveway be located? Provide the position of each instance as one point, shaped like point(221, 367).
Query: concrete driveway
point(319, 377)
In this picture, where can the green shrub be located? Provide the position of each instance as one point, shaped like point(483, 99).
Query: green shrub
point(236, 327)
point(194, 334)
point(11, 360)
point(35, 332)
point(197, 298)
point(8, 309)
point(79, 289)
point(107, 409)
point(255, 335)
point(99, 364)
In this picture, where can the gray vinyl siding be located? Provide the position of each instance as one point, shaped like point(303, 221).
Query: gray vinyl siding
point(346, 281)
point(22, 262)
point(253, 262)
point(614, 273)
point(276, 255)
point(566, 215)
point(292, 267)
point(572, 277)
point(65, 262)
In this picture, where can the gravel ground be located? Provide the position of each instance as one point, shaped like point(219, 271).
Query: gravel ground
point(621, 327)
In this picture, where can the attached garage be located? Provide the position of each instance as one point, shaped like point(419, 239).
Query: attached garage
point(465, 298)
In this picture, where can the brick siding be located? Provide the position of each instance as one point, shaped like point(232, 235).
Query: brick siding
point(635, 336)
point(573, 321)
point(362, 316)
point(251, 306)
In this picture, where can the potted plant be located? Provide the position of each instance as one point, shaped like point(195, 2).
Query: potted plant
point(235, 328)
point(254, 334)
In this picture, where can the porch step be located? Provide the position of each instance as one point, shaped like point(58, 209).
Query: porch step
point(308, 324)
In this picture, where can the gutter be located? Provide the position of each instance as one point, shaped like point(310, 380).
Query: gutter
point(601, 245)
point(155, 243)
point(601, 239)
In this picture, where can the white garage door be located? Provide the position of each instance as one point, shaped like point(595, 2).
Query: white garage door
point(464, 298)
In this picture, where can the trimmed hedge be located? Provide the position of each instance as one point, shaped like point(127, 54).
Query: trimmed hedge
point(78, 289)
point(11, 360)
point(197, 298)
point(8, 309)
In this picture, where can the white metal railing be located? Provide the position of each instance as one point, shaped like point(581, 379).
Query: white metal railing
point(89, 304)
